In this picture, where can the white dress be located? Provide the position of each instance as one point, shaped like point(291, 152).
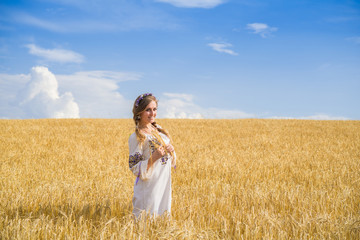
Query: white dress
point(152, 188)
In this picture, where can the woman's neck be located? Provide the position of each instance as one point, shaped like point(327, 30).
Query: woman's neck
point(147, 128)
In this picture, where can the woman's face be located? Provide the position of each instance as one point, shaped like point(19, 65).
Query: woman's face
point(149, 115)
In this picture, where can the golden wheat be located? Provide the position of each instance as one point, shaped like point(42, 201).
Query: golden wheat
point(235, 179)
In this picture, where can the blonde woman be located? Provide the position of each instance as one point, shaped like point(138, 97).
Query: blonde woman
point(151, 158)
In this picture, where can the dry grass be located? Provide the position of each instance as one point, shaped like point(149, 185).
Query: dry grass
point(235, 179)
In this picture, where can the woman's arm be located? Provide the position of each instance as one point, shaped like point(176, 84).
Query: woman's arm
point(138, 162)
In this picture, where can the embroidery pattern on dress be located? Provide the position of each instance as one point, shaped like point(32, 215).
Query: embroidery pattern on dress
point(164, 160)
point(134, 159)
point(153, 142)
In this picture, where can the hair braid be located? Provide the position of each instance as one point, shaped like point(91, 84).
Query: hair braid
point(162, 130)
point(140, 136)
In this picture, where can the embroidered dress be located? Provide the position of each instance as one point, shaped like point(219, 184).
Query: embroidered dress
point(152, 188)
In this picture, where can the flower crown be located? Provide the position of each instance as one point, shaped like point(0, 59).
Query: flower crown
point(141, 97)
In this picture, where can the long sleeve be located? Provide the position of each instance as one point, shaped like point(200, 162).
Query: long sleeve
point(138, 158)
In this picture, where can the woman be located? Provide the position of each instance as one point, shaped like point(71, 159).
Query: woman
point(151, 158)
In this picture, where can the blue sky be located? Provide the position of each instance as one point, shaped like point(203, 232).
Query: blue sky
point(201, 58)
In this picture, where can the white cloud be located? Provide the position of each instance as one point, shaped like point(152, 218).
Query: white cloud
point(194, 3)
point(184, 96)
point(313, 117)
point(97, 93)
point(120, 16)
point(41, 99)
point(55, 55)
point(175, 105)
point(65, 26)
point(227, 114)
point(223, 48)
point(34, 21)
point(324, 117)
point(36, 95)
point(261, 28)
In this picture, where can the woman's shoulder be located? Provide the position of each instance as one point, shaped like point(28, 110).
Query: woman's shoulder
point(132, 137)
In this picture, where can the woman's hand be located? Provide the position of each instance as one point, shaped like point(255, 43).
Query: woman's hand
point(169, 148)
point(158, 153)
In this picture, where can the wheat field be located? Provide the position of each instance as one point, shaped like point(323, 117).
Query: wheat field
point(235, 179)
